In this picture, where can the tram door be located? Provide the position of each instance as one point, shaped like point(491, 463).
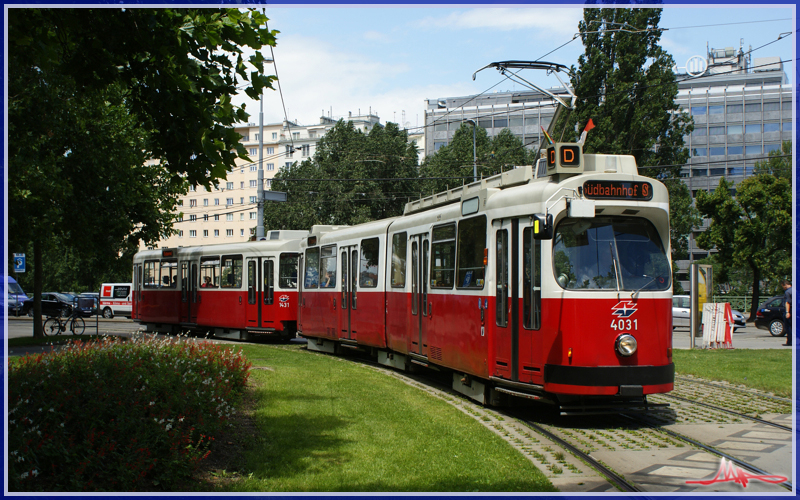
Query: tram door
point(517, 311)
point(137, 289)
point(420, 249)
point(260, 292)
point(349, 291)
point(189, 296)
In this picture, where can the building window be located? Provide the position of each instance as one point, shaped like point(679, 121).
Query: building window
point(274, 135)
point(699, 152)
point(254, 199)
point(734, 129)
point(716, 130)
point(216, 233)
point(253, 151)
point(241, 185)
point(205, 202)
point(241, 232)
point(735, 150)
point(718, 151)
point(229, 232)
point(270, 166)
point(769, 148)
point(306, 149)
point(752, 108)
point(191, 189)
point(180, 233)
point(241, 216)
point(216, 217)
point(698, 110)
point(228, 216)
point(754, 149)
point(192, 203)
point(269, 183)
point(253, 168)
point(270, 151)
point(716, 110)
point(192, 218)
point(295, 135)
point(229, 185)
point(205, 233)
point(289, 151)
point(699, 132)
point(734, 108)
point(772, 127)
point(216, 201)
point(752, 129)
point(205, 217)
point(253, 183)
point(229, 201)
point(241, 200)
point(253, 215)
point(289, 164)
point(192, 233)
point(787, 126)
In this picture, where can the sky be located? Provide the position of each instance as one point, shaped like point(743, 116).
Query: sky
point(390, 59)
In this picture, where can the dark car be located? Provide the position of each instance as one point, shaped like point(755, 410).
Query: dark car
point(770, 316)
point(53, 304)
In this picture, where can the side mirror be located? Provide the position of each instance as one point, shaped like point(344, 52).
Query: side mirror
point(542, 226)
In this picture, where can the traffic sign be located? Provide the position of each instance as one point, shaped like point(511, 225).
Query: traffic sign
point(19, 262)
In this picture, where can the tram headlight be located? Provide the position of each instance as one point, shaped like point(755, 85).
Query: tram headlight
point(626, 345)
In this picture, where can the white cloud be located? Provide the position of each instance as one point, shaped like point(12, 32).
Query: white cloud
point(551, 21)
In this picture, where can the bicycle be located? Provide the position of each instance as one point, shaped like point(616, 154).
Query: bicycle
point(54, 326)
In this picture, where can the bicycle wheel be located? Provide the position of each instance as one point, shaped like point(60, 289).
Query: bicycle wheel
point(77, 325)
point(51, 327)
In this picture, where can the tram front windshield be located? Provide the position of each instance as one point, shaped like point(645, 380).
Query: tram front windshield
point(610, 253)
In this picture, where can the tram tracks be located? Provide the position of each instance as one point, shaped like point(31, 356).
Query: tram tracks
point(640, 453)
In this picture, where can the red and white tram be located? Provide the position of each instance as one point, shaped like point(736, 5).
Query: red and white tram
point(550, 283)
point(234, 290)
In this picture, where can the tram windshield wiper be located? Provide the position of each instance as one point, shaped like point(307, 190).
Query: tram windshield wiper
point(652, 279)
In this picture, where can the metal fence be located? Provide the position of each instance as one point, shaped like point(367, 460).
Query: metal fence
point(740, 303)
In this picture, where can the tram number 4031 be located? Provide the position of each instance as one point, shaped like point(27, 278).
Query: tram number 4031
point(624, 324)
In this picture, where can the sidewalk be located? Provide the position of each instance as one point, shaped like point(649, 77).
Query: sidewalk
point(748, 337)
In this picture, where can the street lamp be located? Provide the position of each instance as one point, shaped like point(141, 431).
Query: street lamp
point(474, 152)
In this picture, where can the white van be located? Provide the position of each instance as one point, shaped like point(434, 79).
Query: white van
point(14, 297)
point(116, 299)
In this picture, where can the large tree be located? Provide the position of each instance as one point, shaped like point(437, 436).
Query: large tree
point(93, 94)
point(752, 229)
point(353, 177)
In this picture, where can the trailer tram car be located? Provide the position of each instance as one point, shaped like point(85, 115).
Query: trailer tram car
point(236, 290)
point(549, 283)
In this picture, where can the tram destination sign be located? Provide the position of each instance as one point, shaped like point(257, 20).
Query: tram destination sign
point(618, 190)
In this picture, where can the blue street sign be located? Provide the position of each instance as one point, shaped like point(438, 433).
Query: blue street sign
point(19, 262)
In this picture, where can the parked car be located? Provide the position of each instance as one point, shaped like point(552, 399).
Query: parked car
point(681, 313)
point(53, 304)
point(770, 316)
point(15, 297)
point(95, 298)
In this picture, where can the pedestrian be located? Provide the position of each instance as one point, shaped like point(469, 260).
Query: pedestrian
point(787, 305)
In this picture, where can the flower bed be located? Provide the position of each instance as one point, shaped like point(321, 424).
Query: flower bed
point(117, 416)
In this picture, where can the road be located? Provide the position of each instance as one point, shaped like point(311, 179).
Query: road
point(748, 337)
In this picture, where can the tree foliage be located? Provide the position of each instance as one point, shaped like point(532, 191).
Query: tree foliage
point(93, 94)
point(353, 177)
point(752, 229)
point(452, 165)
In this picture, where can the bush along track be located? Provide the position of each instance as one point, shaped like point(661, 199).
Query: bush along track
point(118, 416)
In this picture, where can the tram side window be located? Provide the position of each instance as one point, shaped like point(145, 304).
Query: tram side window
point(327, 264)
point(443, 256)
point(398, 271)
point(368, 268)
point(169, 274)
point(532, 280)
point(471, 251)
point(252, 279)
point(288, 270)
point(312, 269)
point(209, 272)
point(232, 271)
point(150, 277)
point(501, 278)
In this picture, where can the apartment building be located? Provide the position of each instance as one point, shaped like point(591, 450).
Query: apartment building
point(228, 212)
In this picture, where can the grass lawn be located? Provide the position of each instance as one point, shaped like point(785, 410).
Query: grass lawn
point(764, 369)
point(326, 425)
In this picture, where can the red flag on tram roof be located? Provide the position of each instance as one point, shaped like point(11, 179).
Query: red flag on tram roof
point(589, 125)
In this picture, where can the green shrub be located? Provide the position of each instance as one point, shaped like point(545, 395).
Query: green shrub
point(117, 416)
